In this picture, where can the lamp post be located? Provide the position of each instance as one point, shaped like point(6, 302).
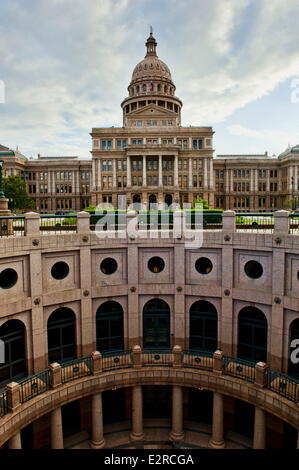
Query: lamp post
point(2, 195)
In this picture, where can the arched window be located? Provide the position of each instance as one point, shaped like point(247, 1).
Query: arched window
point(203, 326)
point(110, 327)
point(156, 325)
point(159, 88)
point(253, 328)
point(62, 335)
point(294, 334)
point(144, 88)
point(12, 333)
point(165, 89)
point(137, 89)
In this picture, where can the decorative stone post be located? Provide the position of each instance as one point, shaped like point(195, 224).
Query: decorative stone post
point(56, 429)
point(218, 362)
point(15, 442)
point(229, 221)
point(176, 433)
point(55, 374)
point(261, 374)
point(13, 396)
point(281, 222)
point(177, 356)
point(83, 222)
point(136, 356)
point(97, 436)
point(217, 441)
point(32, 223)
point(259, 439)
point(137, 414)
point(96, 362)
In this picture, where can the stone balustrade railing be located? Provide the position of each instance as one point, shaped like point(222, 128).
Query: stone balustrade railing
point(56, 375)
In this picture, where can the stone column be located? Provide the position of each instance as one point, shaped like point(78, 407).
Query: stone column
point(176, 170)
point(160, 182)
point(259, 439)
point(227, 181)
point(205, 173)
point(15, 442)
point(251, 181)
point(268, 181)
point(114, 173)
point(137, 414)
point(129, 182)
point(144, 178)
point(295, 174)
point(216, 441)
point(177, 433)
point(231, 181)
point(93, 173)
point(290, 174)
point(190, 173)
point(56, 429)
point(97, 434)
point(99, 174)
point(211, 174)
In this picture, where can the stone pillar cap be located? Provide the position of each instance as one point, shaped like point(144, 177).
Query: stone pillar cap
point(229, 213)
point(83, 214)
point(136, 348)
point(32, 215)
point(12, 385)
point(177, 348)
point(54, 365)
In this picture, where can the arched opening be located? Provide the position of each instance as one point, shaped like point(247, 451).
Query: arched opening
point(253, 329)
point(152, 200)
point(62, 335)
point(12, 333)
point(168, 199)
point(156, 325)
point(293, 364)
point(136, 199)
point(110, 327)
point(203, 326)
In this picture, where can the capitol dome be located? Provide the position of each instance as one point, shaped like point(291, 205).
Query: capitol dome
point(151, 67)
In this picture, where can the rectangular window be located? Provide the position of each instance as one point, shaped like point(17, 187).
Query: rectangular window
point(197, 144)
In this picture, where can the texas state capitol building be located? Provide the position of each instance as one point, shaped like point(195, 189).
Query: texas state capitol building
point(154, 159)
point(140, 342)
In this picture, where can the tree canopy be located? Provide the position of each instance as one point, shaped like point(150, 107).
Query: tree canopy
point(16, 191)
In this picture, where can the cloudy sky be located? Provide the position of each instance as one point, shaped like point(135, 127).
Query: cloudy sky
point(66, 65)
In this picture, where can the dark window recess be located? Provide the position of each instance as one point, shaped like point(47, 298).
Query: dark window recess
point(8, 278)
point(253, 269)
point(203, 265)
point(156, 264)
point(108, 266)
point(60, 270)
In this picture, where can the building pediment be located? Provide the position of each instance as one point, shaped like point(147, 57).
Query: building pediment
point(151, 111)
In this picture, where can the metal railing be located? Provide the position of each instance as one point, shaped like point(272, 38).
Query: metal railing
point(116, 360)
point(159, 357)
point(255, 222)
point(239, 368)
point(294, 223)
point(198, 359)
point(12, 226)
point(30, 387)
point(34, 385)
point(57, 224)
point(75, 369)
point(283, 384)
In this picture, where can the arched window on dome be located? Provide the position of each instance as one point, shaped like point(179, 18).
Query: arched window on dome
point(137, 89)
point(144, 88)
point(165, 89)
point(159, 88)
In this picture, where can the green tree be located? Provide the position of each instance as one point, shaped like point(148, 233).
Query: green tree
point(16, 191)
point(205, 204)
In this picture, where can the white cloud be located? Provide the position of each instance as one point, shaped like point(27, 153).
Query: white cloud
point(66, 64)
